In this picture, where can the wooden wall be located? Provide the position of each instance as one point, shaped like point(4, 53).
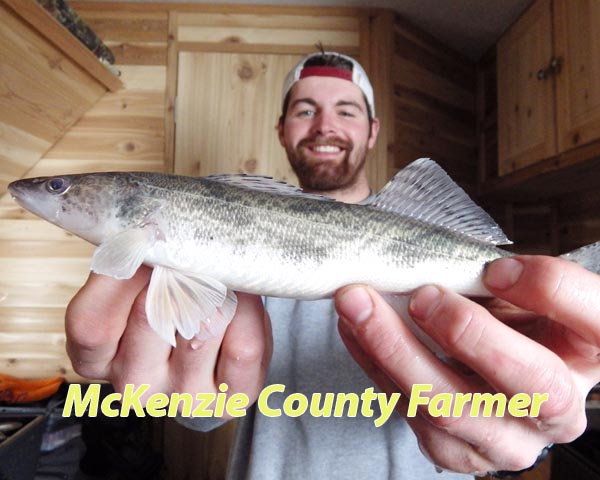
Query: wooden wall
point(43, 92)
point(434, 104)
point(42, 266)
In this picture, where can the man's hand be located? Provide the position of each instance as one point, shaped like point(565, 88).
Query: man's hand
point(549, 344)
point(108, 337)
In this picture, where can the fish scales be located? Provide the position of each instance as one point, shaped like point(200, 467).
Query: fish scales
point(296, 242)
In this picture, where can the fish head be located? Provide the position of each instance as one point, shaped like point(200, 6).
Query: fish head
point(87, 205)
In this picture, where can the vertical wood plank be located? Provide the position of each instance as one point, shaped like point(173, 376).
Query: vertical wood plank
point(171, 91)
point(381, 165)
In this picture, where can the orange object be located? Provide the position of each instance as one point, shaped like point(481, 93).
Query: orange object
point(19, 390)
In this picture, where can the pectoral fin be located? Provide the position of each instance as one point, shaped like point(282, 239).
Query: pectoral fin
point(121, 255)
point(191, 304)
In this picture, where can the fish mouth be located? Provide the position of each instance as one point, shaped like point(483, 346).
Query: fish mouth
point(16, 190)
point(19, 188)
point(25, 193)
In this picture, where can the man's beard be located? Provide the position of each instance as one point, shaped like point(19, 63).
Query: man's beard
point(326, 175)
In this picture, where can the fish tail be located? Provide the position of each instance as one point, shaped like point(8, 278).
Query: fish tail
point(588, 257)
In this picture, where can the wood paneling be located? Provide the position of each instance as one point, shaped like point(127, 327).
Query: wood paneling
point(227, 121)
point(19, 150)
point(434, 104)
point(123, 27)
point(381, 162)
point(280, 36)
point(319, 22)
point(43, 93)
point(43, 266)
point(54, 33)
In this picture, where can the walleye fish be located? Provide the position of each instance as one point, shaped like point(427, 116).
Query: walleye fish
point(208, 237)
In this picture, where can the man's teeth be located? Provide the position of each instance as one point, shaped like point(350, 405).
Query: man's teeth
point(326, 149)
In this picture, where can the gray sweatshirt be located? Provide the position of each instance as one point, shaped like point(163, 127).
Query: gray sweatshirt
point(309, 357)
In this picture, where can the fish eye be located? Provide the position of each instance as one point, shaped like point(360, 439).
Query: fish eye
point(57, 185)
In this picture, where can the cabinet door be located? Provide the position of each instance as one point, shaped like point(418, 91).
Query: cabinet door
point(526, 132)
point(577, 33)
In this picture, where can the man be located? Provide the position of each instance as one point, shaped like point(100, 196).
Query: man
point(327, 128)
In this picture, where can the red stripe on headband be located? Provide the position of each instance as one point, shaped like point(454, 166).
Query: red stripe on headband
point(326, 72)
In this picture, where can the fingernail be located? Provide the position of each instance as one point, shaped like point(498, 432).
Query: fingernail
point(424, 301)
point(355, 305)
point(503, 274)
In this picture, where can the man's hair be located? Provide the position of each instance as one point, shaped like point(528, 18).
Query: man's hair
point(324, 60)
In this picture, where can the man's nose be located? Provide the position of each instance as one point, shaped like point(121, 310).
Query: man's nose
point(324, 123)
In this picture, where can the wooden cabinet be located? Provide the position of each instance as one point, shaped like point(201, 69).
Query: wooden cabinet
point(577, 41)
point(525, 102)
point(548, 90)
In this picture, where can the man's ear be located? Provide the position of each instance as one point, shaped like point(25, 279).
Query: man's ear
point(280, 130)
point(373, 133)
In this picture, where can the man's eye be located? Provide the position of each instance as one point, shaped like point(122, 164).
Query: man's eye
point(306, 113)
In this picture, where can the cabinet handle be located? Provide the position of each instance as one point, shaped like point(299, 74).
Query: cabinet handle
point(553, 68)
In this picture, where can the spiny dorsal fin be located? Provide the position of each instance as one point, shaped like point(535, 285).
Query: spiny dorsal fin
point(261, 183)
point(424, 191)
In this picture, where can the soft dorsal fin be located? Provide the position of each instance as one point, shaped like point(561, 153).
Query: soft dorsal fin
point(264, 184)
point(424, 191)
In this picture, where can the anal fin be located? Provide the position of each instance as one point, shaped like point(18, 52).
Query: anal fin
point(191, 304)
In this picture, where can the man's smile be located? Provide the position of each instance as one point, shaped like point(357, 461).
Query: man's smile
point(325, 149)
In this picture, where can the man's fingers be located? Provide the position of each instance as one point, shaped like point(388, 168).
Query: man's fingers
point(367, 364)
point(469, 333)
point(381, 343)
point(385, 338)
point(96, 319)
point(439, 446)
point(246, 349)
point(510, 362)
point(142, 355)
point(558, 289)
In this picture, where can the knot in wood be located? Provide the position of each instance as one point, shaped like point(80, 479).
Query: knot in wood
point(245, 72)
point(250, 165)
